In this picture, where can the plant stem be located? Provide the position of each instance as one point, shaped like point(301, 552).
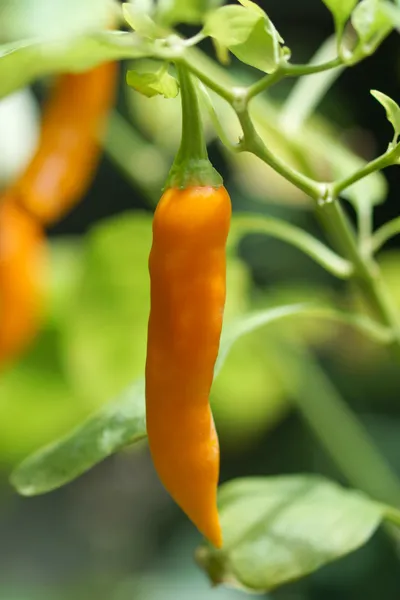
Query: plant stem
point(191, 166)
point(252, 142)
point(288, 70)
point(385, 160)
point(322, 254)
point(330, 418)
point(193, 143)
point(366, 271)
point(330, 213)
point(384, 233)
point(225, 91)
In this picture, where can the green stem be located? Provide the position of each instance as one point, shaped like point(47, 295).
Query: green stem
point(192, 143)
point(332, 262)
point(225, 91)
point(329, 416)
point(252, 142)
point(385, 160)
point(288, 70)
point(191, 166)
point(306, 94)
point(384, 233)
point(392, 515)
point(298, 70)
point(364, 221)
point(366, 272)
point(223, 137)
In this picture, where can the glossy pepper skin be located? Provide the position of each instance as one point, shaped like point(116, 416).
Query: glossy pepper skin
point(22, 252)
point(188, 284)
point(63, 165)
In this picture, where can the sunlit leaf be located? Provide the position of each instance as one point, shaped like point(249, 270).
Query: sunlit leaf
point(278, 529)
point(372, 24)
point(248, 33)
point(114, 426)
point(392, 110)
point(138, 14)
point(153, 83)
point(123, 421)
point(173, 12)
point(341, 10)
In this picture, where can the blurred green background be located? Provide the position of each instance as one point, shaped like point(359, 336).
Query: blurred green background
point(114, 533)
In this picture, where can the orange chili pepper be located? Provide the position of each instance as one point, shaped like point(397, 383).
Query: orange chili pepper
point(22, 248)
point(63, 165)
point(187, 270)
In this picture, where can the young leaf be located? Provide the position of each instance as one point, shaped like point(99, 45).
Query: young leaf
point(392, 110)
point(110, 429)
point(173, 12)
point(278, 529)
point(153, 83)
point(341, 11)
point(137, 14)
point(248, 33)
point(372, 24)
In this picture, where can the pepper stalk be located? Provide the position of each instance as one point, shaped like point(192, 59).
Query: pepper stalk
point(191, 166)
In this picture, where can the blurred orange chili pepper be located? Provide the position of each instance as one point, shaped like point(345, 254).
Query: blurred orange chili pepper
point(63, 165)
point(22, 253)
point(55, 179)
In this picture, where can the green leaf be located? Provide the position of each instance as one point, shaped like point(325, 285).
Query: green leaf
point(393, 13)
point(278, 529)
point(154, 82)
point(138, 15)
point(65, 270)
point(173, 12)
point(25, 61)
point(110, 429)
point(248, 33)
point(392, 110)
point(105, 329)
point(372, 24)
point(37, 403)
point(341, 11)
point(123, 421)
